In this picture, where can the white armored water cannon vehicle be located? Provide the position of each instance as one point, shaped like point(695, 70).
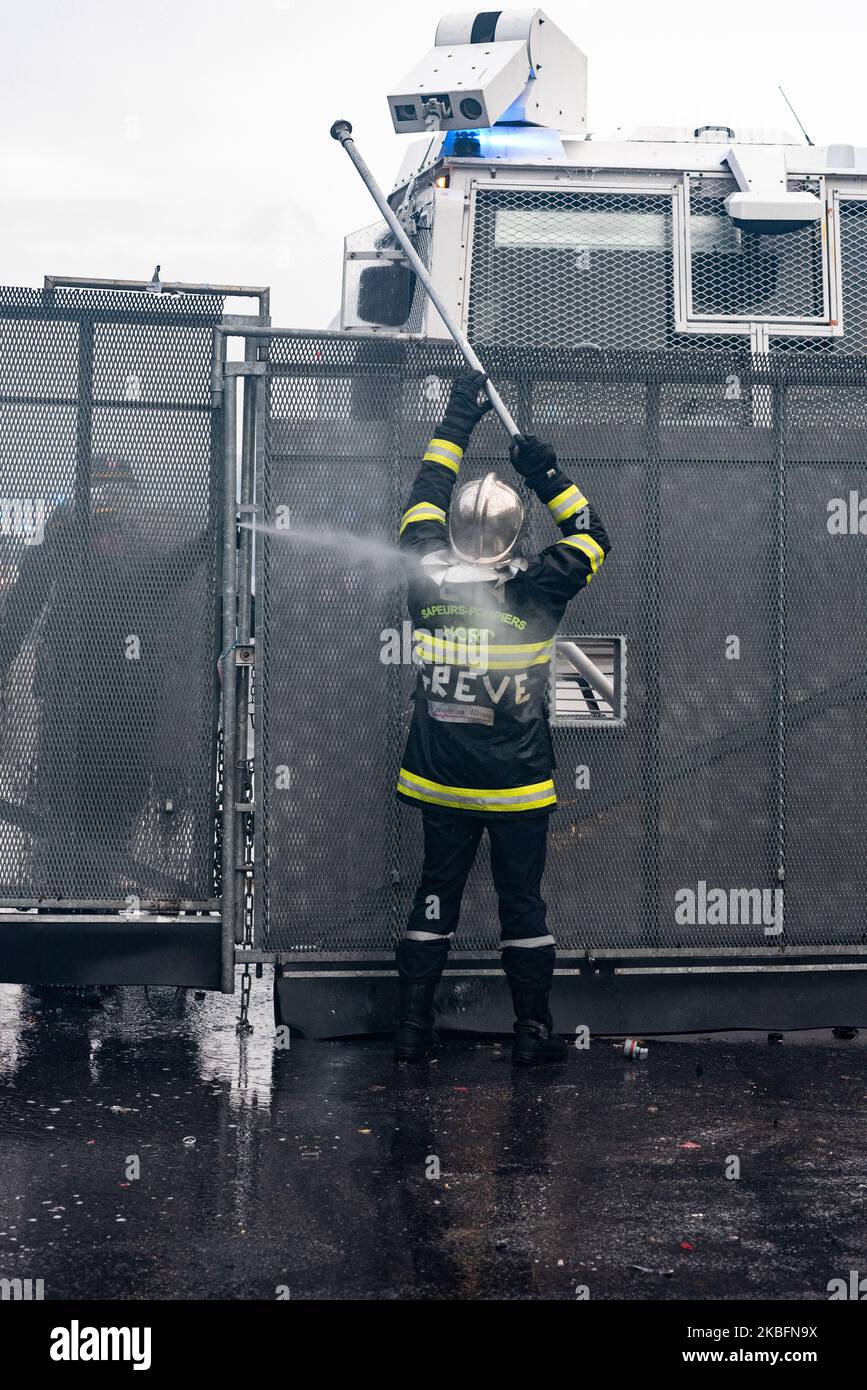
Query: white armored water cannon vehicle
point(652, 237)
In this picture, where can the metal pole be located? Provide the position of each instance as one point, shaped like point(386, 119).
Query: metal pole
point(74, 832)
point(651, 772)
point(588, 669)
point(245, 543)
point(87, 282)
point(780, 408)
point(261, 475)
point(342, 131)
point(229, 673)
point(245, 557)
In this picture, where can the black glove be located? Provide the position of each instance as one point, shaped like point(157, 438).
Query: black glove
point(463, 411)
point(532, 458)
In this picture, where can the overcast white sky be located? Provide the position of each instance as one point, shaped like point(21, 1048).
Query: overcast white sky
point(195, 132)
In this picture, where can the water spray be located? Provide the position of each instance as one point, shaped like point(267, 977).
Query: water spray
point(346, 546)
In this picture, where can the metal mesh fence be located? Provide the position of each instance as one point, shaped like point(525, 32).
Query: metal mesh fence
point(577, 268)
point(743, 751)
point(749, 275)
point(853, 273)
point(109, 510)
point(853, 266)
point(571, 269)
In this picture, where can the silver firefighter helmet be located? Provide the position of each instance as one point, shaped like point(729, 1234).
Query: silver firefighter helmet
point(486, 518)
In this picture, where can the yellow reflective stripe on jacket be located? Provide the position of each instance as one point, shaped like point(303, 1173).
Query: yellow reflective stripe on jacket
point(567, 503)
point(479, 659)
point(489, 656)
point(444, 452)
point(422, 634)
point(592, 549)
point(530, 798)
point(422, 511)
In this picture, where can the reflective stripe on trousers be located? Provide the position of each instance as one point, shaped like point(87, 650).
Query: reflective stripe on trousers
point(517, 864)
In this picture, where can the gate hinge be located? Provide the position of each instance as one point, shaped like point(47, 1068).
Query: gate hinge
point(245, 368)
point(397, 256)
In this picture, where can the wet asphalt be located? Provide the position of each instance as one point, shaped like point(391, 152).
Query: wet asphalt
point(148, 1152)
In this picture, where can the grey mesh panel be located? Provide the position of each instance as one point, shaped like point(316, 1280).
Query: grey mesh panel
point(107, 739)
point(853, 260)
point(536, 280)
point(744, 273)
point(532, 284)
point(713, 473)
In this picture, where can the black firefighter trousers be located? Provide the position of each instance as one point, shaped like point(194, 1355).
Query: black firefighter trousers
point(518, 845)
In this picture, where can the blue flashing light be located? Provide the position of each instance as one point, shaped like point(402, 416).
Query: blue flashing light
point(516, 142)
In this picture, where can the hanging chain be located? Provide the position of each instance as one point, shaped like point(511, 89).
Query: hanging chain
point(244, 1026)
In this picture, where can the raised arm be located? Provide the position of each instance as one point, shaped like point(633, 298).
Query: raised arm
point(562, 569)
point(424, 524)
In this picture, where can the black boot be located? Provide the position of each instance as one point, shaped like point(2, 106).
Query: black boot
point(535, 1041)
point(415, 1038)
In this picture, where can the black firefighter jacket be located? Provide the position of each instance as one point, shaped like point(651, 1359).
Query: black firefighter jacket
point(479, 741)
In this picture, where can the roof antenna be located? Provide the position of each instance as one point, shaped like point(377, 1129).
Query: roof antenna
point(795, 114)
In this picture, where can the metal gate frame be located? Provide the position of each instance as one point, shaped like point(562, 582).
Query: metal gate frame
point(791, 982)
point(80, 942)
point(203, 950)
point(238, 641)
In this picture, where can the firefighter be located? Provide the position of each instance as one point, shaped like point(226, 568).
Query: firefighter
point(479, 754)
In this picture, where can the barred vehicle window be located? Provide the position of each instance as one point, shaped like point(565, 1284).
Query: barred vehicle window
point(563, 268)
point(738, 273)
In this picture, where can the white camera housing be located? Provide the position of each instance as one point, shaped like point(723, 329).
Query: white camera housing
point(485, 67)
point(764, 204)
